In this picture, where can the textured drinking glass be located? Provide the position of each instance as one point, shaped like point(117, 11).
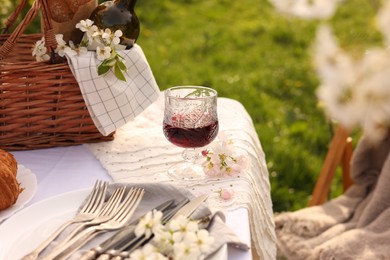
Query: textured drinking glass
point(191, 122)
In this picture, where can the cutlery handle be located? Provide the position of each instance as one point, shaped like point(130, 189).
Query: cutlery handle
point(34, 254)
point(90, 255)
point(77, 246)
point(73, 244)
point(71, 234)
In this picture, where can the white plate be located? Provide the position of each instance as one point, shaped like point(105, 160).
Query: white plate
point(28, 181)
point(29, 227)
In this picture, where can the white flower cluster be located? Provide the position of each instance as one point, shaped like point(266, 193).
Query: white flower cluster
point(180, 238)
point(356, 93)
point(40, 50)
point(222, 159)
point(105, 42)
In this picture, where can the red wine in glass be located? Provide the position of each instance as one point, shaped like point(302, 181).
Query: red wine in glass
point(191, 137)
point(191, 122)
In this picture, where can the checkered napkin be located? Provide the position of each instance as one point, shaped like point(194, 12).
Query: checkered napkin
point(110, 101)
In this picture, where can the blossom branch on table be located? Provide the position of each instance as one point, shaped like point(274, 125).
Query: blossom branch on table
point(222, 160)
point(180, 238)
point(105, 42)
point(356, 93)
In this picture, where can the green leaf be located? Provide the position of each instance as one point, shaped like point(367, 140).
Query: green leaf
point(103, 69)
point(119, 73)
point(199, 93)
point(109, 62)
point(121, 65)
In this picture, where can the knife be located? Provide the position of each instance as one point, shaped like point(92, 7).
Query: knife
point(136, 242)
point(189, 208)
point(116, 239)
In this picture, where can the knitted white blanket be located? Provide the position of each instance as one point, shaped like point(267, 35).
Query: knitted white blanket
point(356, 225)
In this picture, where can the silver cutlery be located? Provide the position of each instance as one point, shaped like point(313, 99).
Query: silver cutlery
point(121, 218)
point(123, 235)
point(189, 208)
point(89, 211)
point(125, 250)
point(105, 214)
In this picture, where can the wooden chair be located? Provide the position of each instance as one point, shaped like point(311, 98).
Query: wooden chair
point(339, 154)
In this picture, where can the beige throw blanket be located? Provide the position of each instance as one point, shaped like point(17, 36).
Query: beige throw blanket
point(355, 225)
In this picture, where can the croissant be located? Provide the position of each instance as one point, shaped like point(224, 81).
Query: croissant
point(9, 186)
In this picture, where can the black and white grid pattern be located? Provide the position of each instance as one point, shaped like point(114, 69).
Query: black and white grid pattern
point(110, 101)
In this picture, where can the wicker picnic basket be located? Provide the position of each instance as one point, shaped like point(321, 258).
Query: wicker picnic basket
point(41, 103)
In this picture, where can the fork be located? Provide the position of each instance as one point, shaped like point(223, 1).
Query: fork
point(120, 219)
point(105, 214)
point(90, 209)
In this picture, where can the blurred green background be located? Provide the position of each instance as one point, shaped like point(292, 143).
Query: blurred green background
point(249, 52)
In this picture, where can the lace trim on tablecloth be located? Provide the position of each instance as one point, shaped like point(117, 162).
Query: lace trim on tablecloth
point(140, 153)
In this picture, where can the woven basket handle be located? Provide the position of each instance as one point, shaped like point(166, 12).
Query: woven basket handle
point(12, 18)
point(50, 39)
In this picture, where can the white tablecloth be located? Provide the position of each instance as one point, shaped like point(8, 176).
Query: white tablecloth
point(65, 169)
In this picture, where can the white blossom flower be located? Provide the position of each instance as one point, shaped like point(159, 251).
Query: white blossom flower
point(107, 36)
point(62, 47)
point(354, 92)
point(84, 25)
point(182, 225)
point(373, 90)
point(309, 9)
point(43, 57)
point(180, 238)
point(60, 39)
point(39, 47)
point(211, 168)
point(148, 252)
point(150, 223)
point(116, 38)
point(164, 239)
point(223, 160)
point(111, 39)
point(333, 65)
point(338, 75)
point(186, 251)
point(92, 30)
point(103, 53)
point(89, 30)
point(97, 33)
point(203, 240)
point(40, 51)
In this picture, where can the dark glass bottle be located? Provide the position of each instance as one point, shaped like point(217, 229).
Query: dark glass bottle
point(118, 15)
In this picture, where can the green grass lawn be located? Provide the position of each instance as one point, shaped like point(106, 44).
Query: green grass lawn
point(248, 52)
